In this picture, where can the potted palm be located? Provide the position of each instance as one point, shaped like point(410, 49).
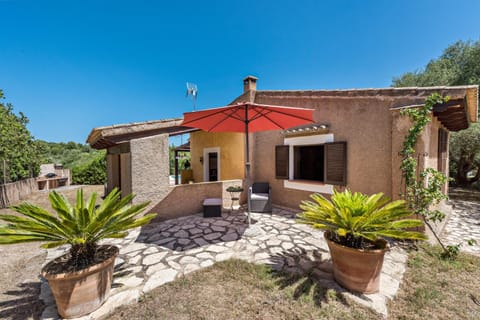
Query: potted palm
point(80, 280)
point(355, 225)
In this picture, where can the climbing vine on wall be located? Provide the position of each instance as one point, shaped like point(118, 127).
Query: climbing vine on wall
point(423, 189)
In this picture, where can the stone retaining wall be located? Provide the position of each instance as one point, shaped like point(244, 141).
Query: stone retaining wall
point(15, 191)
point(186, 199)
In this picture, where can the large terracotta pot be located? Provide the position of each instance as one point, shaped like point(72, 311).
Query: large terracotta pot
point(355, 269)
point(81, 292)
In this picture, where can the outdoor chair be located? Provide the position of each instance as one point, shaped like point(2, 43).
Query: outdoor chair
point(260, 197)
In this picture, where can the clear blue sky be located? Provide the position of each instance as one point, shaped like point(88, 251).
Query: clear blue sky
point(71, 66)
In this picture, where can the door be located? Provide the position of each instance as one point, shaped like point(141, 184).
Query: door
point(212, 166)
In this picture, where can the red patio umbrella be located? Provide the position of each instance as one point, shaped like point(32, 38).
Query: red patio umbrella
point(247, 117)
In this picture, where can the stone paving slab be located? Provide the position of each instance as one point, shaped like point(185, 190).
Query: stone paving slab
point(462, 225)
point(161, 252)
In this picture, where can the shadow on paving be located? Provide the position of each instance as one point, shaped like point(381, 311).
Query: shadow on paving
point(194, 231)
point(24, 304)
point(309, 273)
point(469, 209)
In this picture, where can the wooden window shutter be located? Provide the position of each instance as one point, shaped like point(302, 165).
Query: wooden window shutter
point(442, 150)
point(335, 159)
point(281, 162)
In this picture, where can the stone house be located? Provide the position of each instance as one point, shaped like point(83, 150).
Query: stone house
point(354, 143)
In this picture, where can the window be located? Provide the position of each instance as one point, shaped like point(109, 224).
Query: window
point(326, 162)
point(309, 162)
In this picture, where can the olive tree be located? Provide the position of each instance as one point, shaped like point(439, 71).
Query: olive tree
point(18, 155)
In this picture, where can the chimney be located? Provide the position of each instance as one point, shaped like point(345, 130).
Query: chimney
point(250, 83)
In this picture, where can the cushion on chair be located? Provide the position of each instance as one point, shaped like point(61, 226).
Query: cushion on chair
point(259, 196)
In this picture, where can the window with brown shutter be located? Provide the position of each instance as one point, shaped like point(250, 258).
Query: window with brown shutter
point(335, 156)
point(308, 162)
point(442, 150)
point(281, 162)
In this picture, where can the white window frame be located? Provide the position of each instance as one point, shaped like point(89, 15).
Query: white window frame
point(313, 186)
point(206, 151)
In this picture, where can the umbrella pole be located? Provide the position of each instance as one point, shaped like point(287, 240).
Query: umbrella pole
point(247, 163)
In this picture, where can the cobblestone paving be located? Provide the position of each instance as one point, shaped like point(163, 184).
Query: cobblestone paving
point(161, 252)
point(462, 225)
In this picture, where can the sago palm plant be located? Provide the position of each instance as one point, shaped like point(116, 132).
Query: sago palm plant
point(352, 218)
point(81, 225)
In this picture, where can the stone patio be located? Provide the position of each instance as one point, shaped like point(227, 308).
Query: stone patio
point(463, 224)
point(163, 251)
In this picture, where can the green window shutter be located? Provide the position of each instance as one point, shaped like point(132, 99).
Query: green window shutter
point(335, 159)
point(281, 161)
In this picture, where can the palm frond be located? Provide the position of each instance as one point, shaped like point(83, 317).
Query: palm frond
point(357, 215)
point(82, 223)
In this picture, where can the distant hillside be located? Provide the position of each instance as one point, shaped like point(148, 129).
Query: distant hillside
point(88, 166)
point(70, 154)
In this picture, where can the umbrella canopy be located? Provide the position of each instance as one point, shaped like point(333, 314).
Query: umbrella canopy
point(249, 117)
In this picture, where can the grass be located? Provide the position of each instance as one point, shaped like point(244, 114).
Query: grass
point(236, 289)
point(433, 288)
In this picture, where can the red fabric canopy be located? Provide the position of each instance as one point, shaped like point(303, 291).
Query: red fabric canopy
point(247, 117)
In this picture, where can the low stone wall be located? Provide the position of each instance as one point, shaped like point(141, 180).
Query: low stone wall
point(16, 191)
point(187, 199)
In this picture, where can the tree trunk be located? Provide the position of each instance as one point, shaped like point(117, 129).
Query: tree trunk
point(464, 167)
point(462, 171)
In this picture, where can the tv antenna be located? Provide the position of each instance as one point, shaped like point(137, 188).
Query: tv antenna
point(192, 91)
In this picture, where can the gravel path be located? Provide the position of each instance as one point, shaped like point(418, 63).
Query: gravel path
point(19, 283)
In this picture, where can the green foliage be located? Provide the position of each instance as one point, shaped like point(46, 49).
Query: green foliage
point(425, 191)
point(183, 157)
point(235, 189)
point(420, 118)
point(81, 225)
point(93, 172)
point(465, 155)
point(69, 154)
point(355, 217)
point(17, 148)
point(88, 166)
point(451, 252)
point(458, 65)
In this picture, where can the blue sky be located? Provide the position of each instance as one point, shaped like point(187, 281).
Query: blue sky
point(71, 66)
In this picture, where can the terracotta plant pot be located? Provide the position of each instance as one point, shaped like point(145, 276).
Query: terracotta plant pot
point(355, 269)
point(81, 292)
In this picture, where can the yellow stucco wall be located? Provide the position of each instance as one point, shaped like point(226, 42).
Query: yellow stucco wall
point(232, 153)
